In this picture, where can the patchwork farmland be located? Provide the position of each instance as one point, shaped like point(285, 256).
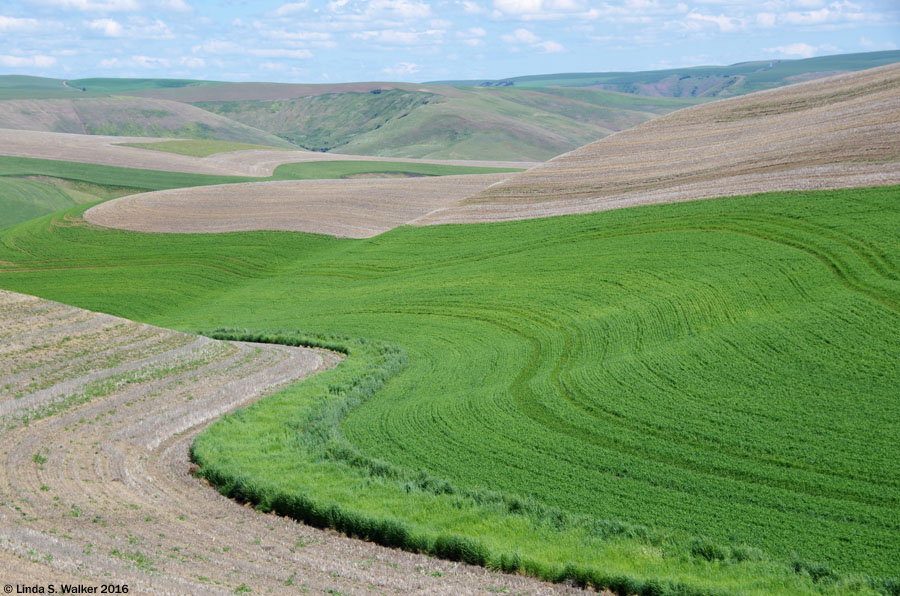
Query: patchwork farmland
point(687, 398)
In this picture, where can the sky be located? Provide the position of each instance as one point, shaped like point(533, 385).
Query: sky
point(320, 41)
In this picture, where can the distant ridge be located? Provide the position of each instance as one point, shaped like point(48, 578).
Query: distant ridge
point(700, 81)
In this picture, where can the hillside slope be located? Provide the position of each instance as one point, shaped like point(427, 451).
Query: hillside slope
point(704, 81)
point(839, 132)
point(444, 122)
point(128, 116)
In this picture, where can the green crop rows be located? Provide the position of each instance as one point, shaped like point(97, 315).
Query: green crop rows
point(697, 398)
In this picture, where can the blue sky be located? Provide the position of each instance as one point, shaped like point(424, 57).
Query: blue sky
point(315, 41)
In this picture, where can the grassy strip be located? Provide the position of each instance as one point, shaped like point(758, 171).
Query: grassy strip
point(200, 147)
point(160, 180)
point(21, 200)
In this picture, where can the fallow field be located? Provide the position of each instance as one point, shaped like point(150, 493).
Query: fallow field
point(836, 132)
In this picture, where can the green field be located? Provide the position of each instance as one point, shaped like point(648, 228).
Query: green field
point(26, 199)
point(199, 147)
point(698, 398)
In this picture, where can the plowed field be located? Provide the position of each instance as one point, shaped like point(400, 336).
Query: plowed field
point(838, 132)
point(358, 208)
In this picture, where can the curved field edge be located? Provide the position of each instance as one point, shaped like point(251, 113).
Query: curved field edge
point(286, 454)
point(161, 180)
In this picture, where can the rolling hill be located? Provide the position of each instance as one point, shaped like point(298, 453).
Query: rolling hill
point(702, 81)
point(837, 132)
point(534, 118)
point(128, 116)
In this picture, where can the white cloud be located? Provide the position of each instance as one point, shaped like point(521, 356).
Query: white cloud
point(136, 61)
point(519, 6)
point(472, 36)
point(150, 62)
point(272, 66)
point(108, 27)
point(526, 37)
point(523, 36)
point(766, 19)
point(402, 68)
point(284, 34)
point(473, 7)
point(139, 28)
point(405, 9)
point(396, 37)
point(217, 46)
point(280, 53)
point(290, 8)
point(15, 24)
point(94, 5)
point(38, 61)
point(537, 7)
point(724, 23)
point(871, 45)
point(177, 5)
point(836, 12)
point(799, 49)
point(551, 47)
point(192, 62)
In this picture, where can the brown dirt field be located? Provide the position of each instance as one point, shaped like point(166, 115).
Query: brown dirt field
point(348, 208)
point(106, 150)
point(836, 132)
point(96, 488)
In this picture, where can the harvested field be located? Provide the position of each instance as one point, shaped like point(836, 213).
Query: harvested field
point(348, 208)
point(838, 132)
point(97, 416)
point(108, 150)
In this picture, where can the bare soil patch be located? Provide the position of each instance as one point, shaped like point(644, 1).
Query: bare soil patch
point(107, 150)
point(837, 132)
point(96, 488)
point(347, 208)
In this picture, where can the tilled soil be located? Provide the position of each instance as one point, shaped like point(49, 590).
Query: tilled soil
point(107, 150)
point(836, 132)
point(358, 208)
point(95, 483)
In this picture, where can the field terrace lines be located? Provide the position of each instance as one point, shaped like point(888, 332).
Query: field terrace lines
point(107, 150)
point(838, 132)
point(349, 208)
point(100, 491)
